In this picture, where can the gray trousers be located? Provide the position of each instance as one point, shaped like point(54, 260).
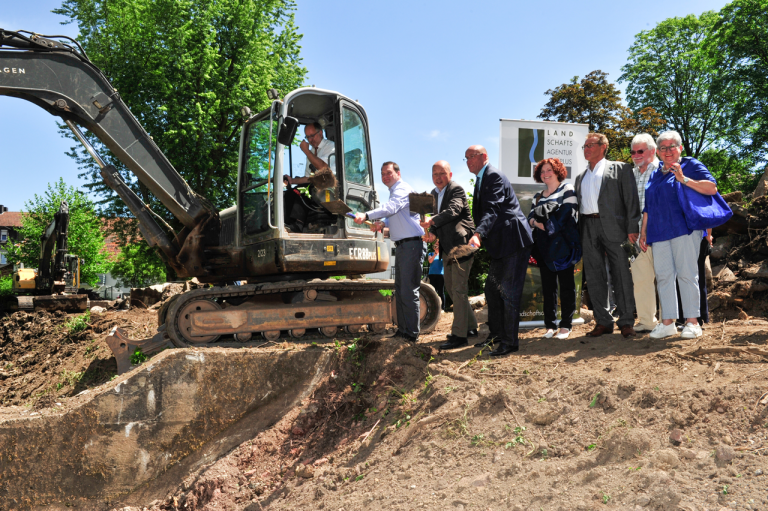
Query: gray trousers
point(409, 258)
point(596, 248)
point(677, 260)
point(457, 286)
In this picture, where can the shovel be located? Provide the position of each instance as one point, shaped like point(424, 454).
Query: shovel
point(422, 203)
point(339, 207)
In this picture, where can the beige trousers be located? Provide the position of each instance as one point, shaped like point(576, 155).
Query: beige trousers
point(644, 280)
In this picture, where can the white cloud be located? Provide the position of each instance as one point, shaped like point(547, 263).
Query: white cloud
point(437, 135)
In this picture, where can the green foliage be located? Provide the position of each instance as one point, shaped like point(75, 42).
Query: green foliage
point(85, 234)
point(6, 286)
point(138, 265)
point(591, 447)
point(740, 43)
point(138, 357)
point(481, 264)
point(185, 68)
point(386, 292)
point(671, 69)
point(78, 323)
point(731, 171)
point(595, 101)
point(594, 400)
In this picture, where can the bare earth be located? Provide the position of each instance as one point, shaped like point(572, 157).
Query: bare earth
point(579, 424)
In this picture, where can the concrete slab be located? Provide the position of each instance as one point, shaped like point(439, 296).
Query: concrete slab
point(183, 408)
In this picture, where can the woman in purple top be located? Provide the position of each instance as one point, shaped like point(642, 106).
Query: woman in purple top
point(675, 246)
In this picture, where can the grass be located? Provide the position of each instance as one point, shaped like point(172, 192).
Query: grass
point(594, 400)
point(138, 357)
point(78, 323)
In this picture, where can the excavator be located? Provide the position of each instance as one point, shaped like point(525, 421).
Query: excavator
point(54, 285)
point(289, 288)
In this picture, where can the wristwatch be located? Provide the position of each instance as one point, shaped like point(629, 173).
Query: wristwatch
point(685, 180)
point(366, 215)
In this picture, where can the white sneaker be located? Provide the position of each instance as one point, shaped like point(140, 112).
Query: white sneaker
point(550, 333)
point(563, 335)
point(661, 331)
point(691, 331)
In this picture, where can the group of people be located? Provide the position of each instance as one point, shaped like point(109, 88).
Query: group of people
point(611, 203)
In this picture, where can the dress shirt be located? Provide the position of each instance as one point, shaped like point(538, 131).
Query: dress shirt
point(480, 176)
point(326, 151)
point(440, 195)
point(642, 180)
point(590, 188)
point(396, 213)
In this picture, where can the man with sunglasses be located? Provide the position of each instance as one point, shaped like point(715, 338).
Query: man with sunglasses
point(320, 153)
point(644, 157)
point(609, 213)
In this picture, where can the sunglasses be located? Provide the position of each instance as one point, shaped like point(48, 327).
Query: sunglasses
point(639, 151)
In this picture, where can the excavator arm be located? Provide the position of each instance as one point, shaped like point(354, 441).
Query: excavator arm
point(59, 78)
point(51, 269)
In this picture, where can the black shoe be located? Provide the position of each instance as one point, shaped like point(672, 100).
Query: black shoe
point(402, 336)
point(453, 343)
point(471, 333)
point(486, 343)
point(504, 349)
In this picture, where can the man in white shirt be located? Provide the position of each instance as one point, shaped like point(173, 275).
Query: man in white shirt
point(320, 153)
point(609, 213)
point(644, 156)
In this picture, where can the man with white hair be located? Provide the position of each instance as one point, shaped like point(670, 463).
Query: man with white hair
point(643, 154)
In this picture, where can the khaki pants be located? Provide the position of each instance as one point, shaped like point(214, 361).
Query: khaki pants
point(644, 280)
point(457, 287)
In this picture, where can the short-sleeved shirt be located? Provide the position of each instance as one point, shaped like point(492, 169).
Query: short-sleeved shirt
point(666, 220)
point(436, 266)
point(326, 151)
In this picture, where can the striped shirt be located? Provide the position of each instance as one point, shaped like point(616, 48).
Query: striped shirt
point(565, 196)
point(642, 180)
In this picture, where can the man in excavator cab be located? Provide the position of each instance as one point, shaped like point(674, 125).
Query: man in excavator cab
point(321, 159)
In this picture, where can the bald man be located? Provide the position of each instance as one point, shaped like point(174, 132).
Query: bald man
point(504, 231)
point(452, 224)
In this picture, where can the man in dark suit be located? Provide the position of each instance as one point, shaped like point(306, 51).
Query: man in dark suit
point(609, 213)
point(504, 231)
point(452, 225)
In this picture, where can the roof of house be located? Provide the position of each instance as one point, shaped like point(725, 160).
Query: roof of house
point(11, 219)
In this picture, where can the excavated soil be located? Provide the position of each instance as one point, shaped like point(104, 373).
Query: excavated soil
point(579, 424)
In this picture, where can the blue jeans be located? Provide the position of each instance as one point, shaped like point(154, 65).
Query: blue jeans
point(409, 258)
point(503, 290)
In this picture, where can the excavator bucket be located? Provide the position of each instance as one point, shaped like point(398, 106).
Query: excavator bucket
point(66, 303)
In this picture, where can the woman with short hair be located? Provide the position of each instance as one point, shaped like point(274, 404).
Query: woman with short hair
point(675, 246)
point(557, 247)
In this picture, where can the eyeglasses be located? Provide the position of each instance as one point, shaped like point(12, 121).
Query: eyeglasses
point(590, 146)
point(311, 135)
point(470, 157)
point(639, 151)
point(667, 149)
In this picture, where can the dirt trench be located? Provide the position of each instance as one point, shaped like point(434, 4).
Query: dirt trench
point(584, 424)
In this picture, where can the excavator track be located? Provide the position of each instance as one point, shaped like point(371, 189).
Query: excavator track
point(298, 308)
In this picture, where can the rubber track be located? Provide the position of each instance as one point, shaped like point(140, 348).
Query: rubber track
point(267, 288)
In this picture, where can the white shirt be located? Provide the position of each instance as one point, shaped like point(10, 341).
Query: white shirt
point(440, 195)
point(326, 151)
point(590, 188)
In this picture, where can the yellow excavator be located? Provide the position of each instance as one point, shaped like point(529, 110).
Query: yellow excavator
point(54, 285)
point(289, 290)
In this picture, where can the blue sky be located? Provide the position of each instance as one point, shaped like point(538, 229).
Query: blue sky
point(434, 77)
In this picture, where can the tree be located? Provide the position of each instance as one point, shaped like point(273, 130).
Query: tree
point(138, 266)
point(185, 68)
point(671, 70)
point(740, 39)
point(597, 102)
point(85, 232)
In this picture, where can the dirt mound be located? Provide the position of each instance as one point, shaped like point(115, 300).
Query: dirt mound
point(47, 356)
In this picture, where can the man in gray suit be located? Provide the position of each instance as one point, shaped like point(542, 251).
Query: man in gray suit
point(609, 213)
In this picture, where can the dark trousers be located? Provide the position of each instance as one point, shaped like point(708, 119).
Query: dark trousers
point(597, 248)
point(438, 282)
point(293, 208)
point(704, 251)
point(549, 280)
point(409, 259)
point(503, 290)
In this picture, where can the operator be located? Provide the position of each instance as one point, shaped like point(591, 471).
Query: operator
point(403, 228)
point(321, 153)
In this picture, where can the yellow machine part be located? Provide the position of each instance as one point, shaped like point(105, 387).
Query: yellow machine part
point(24, 279)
